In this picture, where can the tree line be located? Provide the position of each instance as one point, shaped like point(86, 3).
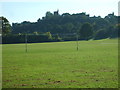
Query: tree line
point(56, 27)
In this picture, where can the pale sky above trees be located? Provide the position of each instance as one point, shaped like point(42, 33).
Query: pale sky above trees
point(31, 10)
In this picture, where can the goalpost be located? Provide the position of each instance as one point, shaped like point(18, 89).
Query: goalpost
point(26, 43)
point(77, 41)
point(76, 38)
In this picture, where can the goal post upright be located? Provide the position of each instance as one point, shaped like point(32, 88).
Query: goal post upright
point(77, 41)
point(26, 43)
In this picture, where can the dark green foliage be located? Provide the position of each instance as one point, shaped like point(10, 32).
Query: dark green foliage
point(13, 39)
point(66, 26)
point(86, 31)
point(101, 34)
point(109, 32)
point(118, 29)
point(31, 38)
point(57, 38)
point(6, 27)
point(65, 23)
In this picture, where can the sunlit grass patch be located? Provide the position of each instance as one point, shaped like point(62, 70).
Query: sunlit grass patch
point(60, 65)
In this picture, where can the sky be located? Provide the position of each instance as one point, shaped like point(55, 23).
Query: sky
point(17, 11)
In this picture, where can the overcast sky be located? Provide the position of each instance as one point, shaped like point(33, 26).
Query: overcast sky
point(31, 10)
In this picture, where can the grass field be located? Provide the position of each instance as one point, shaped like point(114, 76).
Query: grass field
point(60, 65)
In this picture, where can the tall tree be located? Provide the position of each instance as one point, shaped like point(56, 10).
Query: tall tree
point(49, 14)
point(86, 31)
point(6, 27)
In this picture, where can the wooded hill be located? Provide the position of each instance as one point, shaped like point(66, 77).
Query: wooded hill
point(67, 26)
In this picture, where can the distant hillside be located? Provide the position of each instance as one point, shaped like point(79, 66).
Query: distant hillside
point(64, 27)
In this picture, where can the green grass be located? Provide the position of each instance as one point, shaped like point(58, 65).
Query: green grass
point(60, 65)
